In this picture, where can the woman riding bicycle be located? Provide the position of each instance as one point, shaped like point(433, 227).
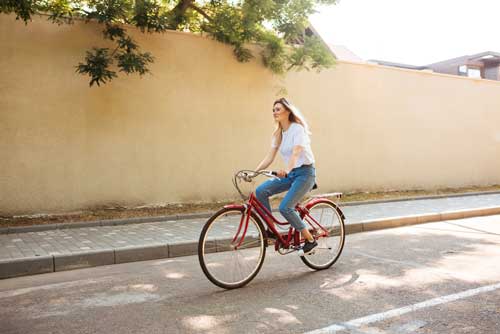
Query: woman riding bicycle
point(232, 244)
point(291, 138)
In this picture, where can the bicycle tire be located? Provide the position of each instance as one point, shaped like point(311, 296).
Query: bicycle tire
point(211, 251)
point(324, 248)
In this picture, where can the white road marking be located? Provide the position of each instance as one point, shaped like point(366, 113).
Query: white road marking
point(356, 323)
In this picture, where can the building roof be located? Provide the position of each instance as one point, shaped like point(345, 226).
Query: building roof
point(477, 57)
point(393, 64)
point(340, 52)
point(486, 57)
point(343, 53)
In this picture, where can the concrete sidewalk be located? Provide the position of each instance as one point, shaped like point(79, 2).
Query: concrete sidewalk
point(65, 249)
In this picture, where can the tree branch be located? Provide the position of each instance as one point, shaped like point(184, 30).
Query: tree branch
point(182, 6)
point(114, 51)
point(179, 11)
point(201, 11)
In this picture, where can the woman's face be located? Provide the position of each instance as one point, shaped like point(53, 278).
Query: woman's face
point(280, 113)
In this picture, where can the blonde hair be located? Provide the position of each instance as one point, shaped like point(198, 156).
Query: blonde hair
point(294, 117)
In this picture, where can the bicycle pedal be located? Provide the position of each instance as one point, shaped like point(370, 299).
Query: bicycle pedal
point(302, 253)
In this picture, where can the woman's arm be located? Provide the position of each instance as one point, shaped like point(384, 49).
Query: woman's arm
point(268, 159)
point(297, 150)
point(291, 163)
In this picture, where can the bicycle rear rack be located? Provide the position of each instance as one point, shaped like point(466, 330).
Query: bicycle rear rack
point(337, 195)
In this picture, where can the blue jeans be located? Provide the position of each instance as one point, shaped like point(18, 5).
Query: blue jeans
point(300, 181)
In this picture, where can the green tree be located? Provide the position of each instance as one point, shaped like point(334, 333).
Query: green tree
point(280, 27)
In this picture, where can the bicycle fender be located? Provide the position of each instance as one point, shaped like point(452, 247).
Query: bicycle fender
point(235, 206)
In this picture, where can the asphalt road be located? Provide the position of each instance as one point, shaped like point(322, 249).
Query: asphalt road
point(431, 278)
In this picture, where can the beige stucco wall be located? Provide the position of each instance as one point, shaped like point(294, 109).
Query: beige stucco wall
point(179, 134)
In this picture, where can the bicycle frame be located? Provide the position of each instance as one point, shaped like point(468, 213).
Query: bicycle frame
point(293, 236)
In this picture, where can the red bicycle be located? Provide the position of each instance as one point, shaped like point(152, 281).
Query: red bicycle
point(233, 242)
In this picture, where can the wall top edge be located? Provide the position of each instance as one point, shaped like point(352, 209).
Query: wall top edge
point(361, 64)
point(417, 72)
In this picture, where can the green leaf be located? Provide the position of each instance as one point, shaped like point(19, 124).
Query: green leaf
point(97, 63)
point(130, 62)
point(278, 26)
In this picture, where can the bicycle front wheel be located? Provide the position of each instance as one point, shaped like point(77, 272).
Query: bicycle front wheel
point(231, 253)
point(330, 235)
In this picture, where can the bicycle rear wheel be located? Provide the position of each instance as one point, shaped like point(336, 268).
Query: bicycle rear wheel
point(228, 261)
point(330, 237)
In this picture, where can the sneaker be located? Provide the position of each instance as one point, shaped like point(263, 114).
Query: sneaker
point(309, 246)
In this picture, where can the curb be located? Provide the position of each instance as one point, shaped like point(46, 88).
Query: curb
point(393, 222)
point(141, 220)
point(62, 262)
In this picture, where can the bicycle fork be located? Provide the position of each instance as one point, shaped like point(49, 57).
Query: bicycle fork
point(245, 218)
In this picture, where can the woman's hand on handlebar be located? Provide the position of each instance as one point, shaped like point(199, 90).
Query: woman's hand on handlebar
point(249, 175)
point(281, 173)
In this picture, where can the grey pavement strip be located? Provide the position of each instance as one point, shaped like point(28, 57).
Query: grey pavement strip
point(65, 249)
point(417, 198)
point(139, 220)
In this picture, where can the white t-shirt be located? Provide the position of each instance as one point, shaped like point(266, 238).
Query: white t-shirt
point(295, 135)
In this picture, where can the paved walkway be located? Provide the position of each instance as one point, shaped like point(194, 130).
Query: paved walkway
point(415, 207)
point(94, 239)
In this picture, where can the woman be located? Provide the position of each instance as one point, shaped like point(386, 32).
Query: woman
point(291, 138)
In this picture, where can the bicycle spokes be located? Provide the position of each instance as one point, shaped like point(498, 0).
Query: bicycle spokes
point(239, 248)
point(328, 226)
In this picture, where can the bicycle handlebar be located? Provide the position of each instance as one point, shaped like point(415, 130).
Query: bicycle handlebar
point(248, 175)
